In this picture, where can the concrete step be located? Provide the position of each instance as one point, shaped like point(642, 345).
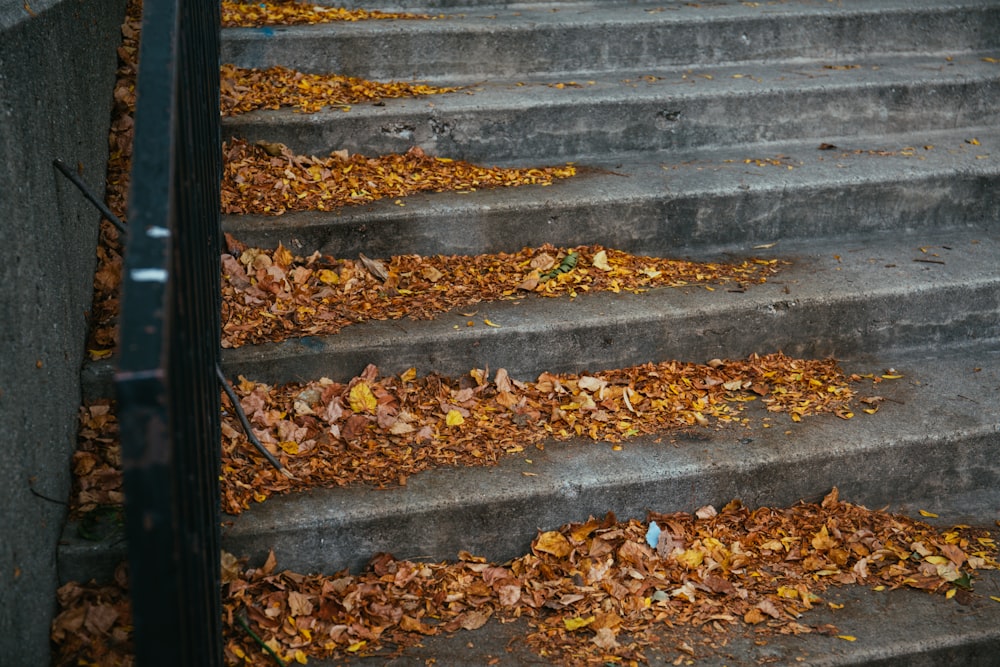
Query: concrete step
point(840, 298)
point(901, 628)
point(676, 110)
point(547, 39)
point(692, 201)
point(934, 437)
point(871, 293)
point(937, 436)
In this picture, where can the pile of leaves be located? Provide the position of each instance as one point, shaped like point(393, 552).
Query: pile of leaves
point(248, 89)
point(268, 179)
point(272, 295)
point(93, 625)
point(103, 335)
point(601, 591)
point(290, 12)
point(593, 593)
point(380, 430)
point(97, 465)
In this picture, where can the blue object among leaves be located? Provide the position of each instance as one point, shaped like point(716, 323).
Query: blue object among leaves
point(653, 534)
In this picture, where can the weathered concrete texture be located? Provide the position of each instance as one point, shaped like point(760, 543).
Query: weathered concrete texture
point(901, 628)
point(937, 436)
point(498, 42)
point(680, 110)
point(57, 66)
point(838, 298)
point(660, 203)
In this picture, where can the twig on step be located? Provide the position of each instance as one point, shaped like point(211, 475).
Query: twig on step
point(246, 425)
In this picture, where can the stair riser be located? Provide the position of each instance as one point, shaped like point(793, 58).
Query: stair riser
point(666, 221)
point(500, 523)
point(652, 119)
point(626, 39)
point(640, 330)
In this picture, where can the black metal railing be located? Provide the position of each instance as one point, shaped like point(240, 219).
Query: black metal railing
point(168, 393)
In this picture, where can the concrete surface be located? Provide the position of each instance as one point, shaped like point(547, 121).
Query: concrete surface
point(837, 298)
point(670, 202)
point(550, 39)
point(940, 438)
point(56, 76)
point(936, 439)
point(901, 628)
point(853, 227)
point(680, 110)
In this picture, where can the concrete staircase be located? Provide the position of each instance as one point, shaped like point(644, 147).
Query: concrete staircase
point(700, 125)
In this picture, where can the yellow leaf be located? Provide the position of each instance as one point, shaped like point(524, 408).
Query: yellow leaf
point(787, 592)
point(356, 646)
point(950, 594)
point(362, 399)
point(847, 638)
point(691, 558)
point(930, 515)
point(454, 418)
point(891, 377)
point(973, 141)
point(995, 598)
point(490, 324)
point(578, 622)
point(328, 277)
point(936, 560)
point(601, 261)
point(409, 375)
point(290, 447)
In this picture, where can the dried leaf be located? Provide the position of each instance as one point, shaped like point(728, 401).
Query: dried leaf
point(600, 260)
point(362, 399)
point(554, 543)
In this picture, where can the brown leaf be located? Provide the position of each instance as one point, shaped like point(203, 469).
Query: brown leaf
point(552, 542)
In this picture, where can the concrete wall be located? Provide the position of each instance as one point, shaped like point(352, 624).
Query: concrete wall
point(57, 67)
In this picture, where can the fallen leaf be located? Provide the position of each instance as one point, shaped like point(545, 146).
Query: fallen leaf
point(362, 399)
point(600, 261)
point(578, 622)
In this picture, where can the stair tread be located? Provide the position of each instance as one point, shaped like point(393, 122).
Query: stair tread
point(837, 297)
point(934, 438)
point(678, 111)
point(659, 202)
point(901, 627)
point(549, 38)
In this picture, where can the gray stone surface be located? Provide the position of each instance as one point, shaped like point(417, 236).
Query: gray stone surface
point(938, 436)
point(859, 288)
point(934, 444)
point(680, 110)
point(56, 77)
point(842, 298)
point(901, 628)
point(550, 40)
point(670, 202)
